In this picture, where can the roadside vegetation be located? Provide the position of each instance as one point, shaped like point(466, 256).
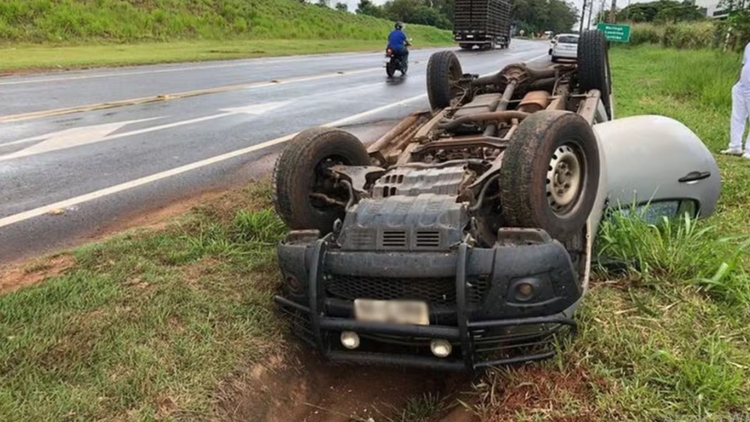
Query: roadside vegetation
point(531, 16)
point(35, 21)
point(43, 57)
point(149, 324)
point(683, 25)
point(156, 323)
point(38, 34)
point(53, 34)
point(667, 338)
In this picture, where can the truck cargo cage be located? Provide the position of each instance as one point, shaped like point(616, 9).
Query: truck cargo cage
point(484, 23)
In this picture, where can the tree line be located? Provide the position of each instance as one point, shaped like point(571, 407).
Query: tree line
point(528, 15)
point(532, 16)
point(662, 11)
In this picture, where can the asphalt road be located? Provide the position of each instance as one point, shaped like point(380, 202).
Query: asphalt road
point(71, 166)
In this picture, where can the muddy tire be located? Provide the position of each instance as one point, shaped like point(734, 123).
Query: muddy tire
point(550, 174)
point(443, 69)
point(300, 172)
point(593, 66)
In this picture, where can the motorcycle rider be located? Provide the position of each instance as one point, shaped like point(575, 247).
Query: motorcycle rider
point(398, 42)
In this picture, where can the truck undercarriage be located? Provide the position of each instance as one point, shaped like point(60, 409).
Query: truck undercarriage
point(461, 238)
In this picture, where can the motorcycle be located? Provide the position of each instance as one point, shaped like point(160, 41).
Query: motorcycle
point(394, 62)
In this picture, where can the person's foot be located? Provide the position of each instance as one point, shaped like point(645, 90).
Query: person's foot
point(732, 151)
point(746, 155)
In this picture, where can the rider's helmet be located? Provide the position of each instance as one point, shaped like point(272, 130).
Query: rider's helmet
point(399, 25)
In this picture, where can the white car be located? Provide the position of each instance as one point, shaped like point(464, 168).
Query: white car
point(564, 46)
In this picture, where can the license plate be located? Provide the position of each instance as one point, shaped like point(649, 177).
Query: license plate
point(392, 311)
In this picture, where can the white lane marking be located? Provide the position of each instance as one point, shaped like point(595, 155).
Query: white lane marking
point(252, 109)
point(26, 215)
point(51, 134)
point(255, 62)
point(238, 63)
point(172, 96)
point(90, 134)
point(256, 109)
point(70, 138)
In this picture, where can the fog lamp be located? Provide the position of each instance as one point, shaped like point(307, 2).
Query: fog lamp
point(440, 348)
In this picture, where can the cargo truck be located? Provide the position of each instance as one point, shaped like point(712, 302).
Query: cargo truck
point(482, 23)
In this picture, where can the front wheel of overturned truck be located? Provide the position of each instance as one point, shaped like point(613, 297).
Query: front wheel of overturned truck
point(305, 194)
point(550, 174)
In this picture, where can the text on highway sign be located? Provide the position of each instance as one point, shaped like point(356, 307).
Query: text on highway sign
point(613, 32)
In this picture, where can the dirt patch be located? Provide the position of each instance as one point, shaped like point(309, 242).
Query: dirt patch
point(305, 389)
point(31, 272)
point(534, 391)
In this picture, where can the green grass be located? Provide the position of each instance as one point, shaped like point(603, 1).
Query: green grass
point(43, 34)
point(142, 20)
point(147, 324)
point(41, 57)
point(668, 338)
point(702, 34)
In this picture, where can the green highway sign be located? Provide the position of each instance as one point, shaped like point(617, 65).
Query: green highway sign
point(613, 32)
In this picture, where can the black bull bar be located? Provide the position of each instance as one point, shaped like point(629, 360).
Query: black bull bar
point(315, 324)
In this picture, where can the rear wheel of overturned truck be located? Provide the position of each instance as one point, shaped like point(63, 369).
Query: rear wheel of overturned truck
point(443, 72)
point(305, 194)
point(593, 66)
point(550, 174)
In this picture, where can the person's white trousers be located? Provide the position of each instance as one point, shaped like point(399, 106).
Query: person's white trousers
point(740, 115)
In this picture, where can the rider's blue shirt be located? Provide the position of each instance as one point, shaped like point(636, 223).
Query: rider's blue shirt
point(397, 40)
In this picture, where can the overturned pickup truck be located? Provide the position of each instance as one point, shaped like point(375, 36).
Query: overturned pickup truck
point(463, 237)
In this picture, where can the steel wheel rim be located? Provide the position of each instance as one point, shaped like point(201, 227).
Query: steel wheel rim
point(565, 179)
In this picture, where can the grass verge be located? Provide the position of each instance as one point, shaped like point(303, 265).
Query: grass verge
point(48, 34)
point(126, 21)
point(31, 57)
point(147, 324)
point(666, 340)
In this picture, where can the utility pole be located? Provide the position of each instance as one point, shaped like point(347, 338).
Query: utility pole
point(591, 12)
point(583, 17)
point(613, 12)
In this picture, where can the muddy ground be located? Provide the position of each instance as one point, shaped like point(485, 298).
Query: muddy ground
point(306, 389)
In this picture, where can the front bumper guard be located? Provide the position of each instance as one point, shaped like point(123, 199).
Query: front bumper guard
point(316, 324)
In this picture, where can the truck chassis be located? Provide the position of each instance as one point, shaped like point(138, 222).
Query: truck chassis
point(461, 238)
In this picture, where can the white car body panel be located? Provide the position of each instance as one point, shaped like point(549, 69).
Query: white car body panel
point(656, 159)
